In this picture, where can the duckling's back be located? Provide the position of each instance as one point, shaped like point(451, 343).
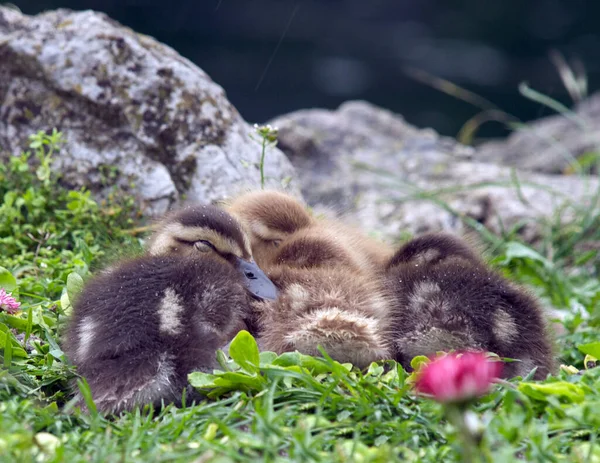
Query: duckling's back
point(447, 298)
point(139, 328)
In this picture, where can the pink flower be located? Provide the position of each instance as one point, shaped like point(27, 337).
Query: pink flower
point(7, 302)
point(458, 377)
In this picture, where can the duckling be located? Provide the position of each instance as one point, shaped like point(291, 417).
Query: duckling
point(274, 218)
point(139, 328)
point(345, 313)
point(325, 272)
point(446, 297)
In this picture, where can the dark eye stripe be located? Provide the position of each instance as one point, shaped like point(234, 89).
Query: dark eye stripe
point(179, 240)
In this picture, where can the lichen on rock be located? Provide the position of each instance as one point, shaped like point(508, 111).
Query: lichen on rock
point(123, 99)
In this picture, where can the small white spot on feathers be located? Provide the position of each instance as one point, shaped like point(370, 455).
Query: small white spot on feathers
point(86, 336)
point(169, 311)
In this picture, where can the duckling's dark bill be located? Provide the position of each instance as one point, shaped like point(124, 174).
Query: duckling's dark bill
point(256, 281)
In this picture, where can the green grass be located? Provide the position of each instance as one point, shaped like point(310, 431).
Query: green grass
point(263, 407)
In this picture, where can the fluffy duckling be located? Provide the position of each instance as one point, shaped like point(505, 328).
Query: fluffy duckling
point(275, 219)
point(345, 313)
point(139, 328)
point(328, 293)
point(447, 298)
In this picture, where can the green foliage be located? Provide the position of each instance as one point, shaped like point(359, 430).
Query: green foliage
point(244, 351)
point(260, 406)
point(7, 281)
point(376, 414)
point(47, 231)
point(593, 349)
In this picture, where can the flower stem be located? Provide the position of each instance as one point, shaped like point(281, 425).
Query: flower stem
point(262, 163)
point(470, 437)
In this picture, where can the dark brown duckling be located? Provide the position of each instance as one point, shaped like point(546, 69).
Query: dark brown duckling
point(446, 297)
point(139, 328)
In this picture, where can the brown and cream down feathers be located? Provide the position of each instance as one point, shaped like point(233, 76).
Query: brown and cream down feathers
point(273, 218)
point(325, 272)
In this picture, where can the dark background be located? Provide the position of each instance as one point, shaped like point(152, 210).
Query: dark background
point(276, 56)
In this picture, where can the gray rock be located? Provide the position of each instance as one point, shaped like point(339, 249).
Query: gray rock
point(552, 144)
point(389, 177)
point(126, 104)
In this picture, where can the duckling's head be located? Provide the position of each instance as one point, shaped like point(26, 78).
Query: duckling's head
point(270, 217)
point(207, 232)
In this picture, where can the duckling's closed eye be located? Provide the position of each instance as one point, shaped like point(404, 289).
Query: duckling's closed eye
point(204, 246)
